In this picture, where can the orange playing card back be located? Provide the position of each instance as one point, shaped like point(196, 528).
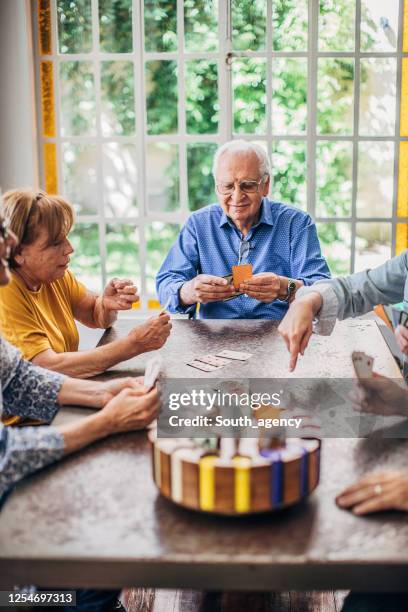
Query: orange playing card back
point(241, 273)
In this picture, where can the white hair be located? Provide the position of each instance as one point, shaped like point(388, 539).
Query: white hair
point(243, 147)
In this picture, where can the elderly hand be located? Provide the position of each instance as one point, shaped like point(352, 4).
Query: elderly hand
point(130, 409)
point(264, 287)
point(375, 492)
point(110, 388)
point(206, 288)
point(297, 325)
point(381, 395)
point(401, 336)
point(119, 294)
point(151, 335)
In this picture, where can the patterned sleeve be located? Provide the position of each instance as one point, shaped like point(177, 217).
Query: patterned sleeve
point(25, 450)
point(28, 391)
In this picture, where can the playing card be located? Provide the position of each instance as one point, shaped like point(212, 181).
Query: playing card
point(363, 364)
point(152, 371)
point(212, 360)
point(228, 277)
point(241, 273)
point(199, 365)
point(166, 305)
point(403, 318)
point(238, 355)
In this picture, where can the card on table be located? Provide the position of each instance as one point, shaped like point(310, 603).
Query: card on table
point(363, 364)
point(238, 355)
point(241, 273)
point(199, 365)
point(212, 360)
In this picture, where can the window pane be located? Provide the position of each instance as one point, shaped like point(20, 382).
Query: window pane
point(334, 166)
point(337, 25)
point(377, 96)
point(115, 26)
point(161, 97)
point(122, 252)
point(77, 91)
point(202, 97)
point(117, 99)
point(200, 180)
point(335, 83)
point(375, 184)
point(162, 176)
point(379, 25)
point(289, 172)
point(120, 180)
point(248, 24)
point(335, 240)
point(201, 25)
point(160, 25)
point(74, 26)
point(373, 245)
point(159, 238)
point(86, 260)
point(80, 178)
point(249, 85)
point(289, 23)
point(289, 110)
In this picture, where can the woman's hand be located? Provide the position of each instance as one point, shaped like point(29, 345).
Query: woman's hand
point(151, 335)
point(297, 325)
point(381, 395)
point(130, 409)
point(111, 388)
point(376, 492)
point(119, 294)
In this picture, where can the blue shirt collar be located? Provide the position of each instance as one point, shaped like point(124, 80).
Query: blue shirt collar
point(265, 218)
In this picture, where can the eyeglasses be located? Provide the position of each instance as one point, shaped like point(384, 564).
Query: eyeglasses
point(245, 186)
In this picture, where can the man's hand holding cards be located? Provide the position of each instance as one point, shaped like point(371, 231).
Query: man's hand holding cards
point(206, 288)
point(264, 287)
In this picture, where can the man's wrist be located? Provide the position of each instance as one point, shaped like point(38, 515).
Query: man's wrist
point(288, 288)
point(185, 295)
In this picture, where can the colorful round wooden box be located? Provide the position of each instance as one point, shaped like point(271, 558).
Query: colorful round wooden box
point(254, 480)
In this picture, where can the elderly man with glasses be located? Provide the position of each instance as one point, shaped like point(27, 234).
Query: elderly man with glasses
point(245, 226)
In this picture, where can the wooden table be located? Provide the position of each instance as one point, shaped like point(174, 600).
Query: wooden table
point(96, 518)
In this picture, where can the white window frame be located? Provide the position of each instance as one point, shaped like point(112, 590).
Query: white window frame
point(224, 57)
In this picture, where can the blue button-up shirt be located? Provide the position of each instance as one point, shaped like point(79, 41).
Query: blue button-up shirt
point(284, 241)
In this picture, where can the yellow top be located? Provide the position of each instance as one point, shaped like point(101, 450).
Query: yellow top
point(35, 321)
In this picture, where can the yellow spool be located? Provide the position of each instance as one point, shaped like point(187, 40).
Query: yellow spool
point(207, 482)
point(242, 484)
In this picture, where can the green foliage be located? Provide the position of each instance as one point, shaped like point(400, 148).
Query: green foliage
point(117, 90)
point(122, 250)
point(161, 96)
point(74, 26)
point(201, 182)
point(201, 25)
point(248, 25)
point(202, 97)
point(160, 25)
point(115, 26)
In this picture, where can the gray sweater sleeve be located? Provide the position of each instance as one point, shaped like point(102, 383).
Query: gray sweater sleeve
point(354, 295)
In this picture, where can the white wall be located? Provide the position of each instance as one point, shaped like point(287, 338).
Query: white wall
point(18, 151)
